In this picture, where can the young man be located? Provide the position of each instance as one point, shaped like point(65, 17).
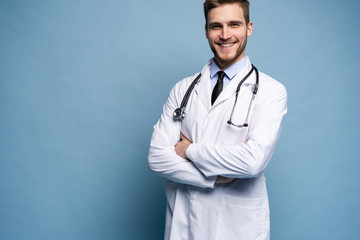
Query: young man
point(217, 185)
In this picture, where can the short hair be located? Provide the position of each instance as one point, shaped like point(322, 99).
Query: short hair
point(210, 4)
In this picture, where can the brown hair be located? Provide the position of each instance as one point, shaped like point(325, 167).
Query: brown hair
point(210, 4)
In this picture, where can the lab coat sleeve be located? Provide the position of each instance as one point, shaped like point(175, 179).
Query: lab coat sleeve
point(162, 157)
point(246, 160)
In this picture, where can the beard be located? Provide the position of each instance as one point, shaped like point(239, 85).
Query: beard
point(224, 62)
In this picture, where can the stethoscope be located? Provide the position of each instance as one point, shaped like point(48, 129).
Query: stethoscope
point(179, 113)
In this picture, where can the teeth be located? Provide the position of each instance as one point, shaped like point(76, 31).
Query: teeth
point(226, 45)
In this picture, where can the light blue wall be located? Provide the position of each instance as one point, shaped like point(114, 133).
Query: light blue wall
point(83, 82)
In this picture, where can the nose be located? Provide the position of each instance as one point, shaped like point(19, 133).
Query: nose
point(225, 33)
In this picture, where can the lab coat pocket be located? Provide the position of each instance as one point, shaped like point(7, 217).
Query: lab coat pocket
point(241, 219)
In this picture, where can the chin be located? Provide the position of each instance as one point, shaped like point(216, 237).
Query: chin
point(227, 59)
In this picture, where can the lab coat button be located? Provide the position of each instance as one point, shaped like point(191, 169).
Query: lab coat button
point(193, 197)
point(209, 116)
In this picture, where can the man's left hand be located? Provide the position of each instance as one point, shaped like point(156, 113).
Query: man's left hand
point(180, 147)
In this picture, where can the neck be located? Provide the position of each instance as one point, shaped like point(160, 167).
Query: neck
point(221, 65)
point(225, 64)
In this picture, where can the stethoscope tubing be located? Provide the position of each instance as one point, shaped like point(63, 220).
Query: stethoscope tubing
point(179, 113)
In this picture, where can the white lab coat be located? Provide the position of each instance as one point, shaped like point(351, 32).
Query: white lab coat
point(196, 207)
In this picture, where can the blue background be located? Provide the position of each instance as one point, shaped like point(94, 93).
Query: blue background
point(83, 82)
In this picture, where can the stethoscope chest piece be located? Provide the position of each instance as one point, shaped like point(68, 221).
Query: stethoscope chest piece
point(179, 114)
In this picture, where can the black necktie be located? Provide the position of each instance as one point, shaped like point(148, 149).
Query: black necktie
point(218, 87)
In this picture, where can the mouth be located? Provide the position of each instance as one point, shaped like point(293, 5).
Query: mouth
point(226, 45)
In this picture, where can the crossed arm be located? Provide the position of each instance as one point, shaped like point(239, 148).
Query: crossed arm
point(182, 146)
point(203, 165)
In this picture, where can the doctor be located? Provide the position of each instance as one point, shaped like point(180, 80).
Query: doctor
point(216, 187)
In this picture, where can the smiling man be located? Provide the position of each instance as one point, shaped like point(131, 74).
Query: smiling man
point(227, 29)
point(228, 118)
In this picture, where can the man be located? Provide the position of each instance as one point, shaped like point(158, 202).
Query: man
point(217, 185)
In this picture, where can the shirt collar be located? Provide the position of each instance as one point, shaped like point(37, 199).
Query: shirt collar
point(230, 71)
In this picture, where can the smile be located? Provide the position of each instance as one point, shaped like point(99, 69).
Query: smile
point(226, 44)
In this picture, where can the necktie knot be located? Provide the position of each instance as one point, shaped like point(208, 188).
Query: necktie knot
point(221, 75)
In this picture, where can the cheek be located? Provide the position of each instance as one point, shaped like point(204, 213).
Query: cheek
point(241, 34)
point(212, 36)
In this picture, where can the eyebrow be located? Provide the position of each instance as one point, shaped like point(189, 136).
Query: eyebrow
point(214, 23)
point(236, 21)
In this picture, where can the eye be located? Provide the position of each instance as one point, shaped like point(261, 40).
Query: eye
point(215, 26)
point(235, 24)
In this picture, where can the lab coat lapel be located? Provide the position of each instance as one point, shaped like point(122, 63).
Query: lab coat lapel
point(230, 89)
point(203, 88)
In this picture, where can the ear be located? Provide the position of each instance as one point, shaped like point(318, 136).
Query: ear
point(206, 31)
point(249, 29)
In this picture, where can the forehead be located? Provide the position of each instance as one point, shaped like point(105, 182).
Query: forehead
point(226, 12)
